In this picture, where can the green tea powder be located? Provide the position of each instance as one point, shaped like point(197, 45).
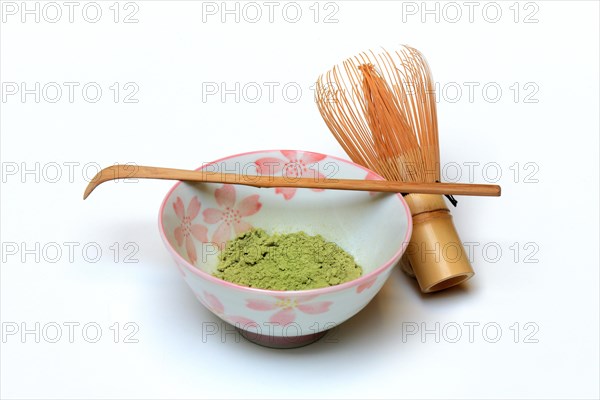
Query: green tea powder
point(293, 261)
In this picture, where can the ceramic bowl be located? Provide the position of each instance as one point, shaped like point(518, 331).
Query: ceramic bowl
point(196, 219)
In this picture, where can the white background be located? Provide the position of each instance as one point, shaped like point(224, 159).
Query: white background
point(546, 65)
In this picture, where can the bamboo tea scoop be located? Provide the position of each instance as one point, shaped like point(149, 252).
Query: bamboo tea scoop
point(137, 171)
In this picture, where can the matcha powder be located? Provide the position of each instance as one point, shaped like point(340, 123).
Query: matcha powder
point(294, 261)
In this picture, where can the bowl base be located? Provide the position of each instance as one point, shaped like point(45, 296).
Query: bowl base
point(279, 342)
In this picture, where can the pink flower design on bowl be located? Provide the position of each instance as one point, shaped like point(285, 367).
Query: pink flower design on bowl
point(187, 229)
point(230, 214)
point(295, 165)
point(286, 307)
point(372, 177)
point(363, 286)
point(213, 303)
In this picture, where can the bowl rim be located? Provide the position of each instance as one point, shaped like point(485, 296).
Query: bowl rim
point(307, 292)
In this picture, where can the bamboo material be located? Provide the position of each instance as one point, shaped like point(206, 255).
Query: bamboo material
point(133, 171)
point(381, 108)
point(435, 246)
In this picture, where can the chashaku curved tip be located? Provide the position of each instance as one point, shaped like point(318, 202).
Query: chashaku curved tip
point(106, 174)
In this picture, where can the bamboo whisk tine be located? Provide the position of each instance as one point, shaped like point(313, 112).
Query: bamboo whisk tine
point(381, 109)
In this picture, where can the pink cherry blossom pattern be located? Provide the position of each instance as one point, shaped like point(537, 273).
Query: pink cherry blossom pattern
point(363, 286)
point(372, 177)
point(230, 215)
point(187, 229)
point(286, 307)
point(213, 303)
point(295, 165)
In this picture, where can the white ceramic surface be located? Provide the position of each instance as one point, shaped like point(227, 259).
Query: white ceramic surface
point(374, 227)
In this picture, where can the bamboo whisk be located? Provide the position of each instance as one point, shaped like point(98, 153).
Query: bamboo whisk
point(380, 106)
